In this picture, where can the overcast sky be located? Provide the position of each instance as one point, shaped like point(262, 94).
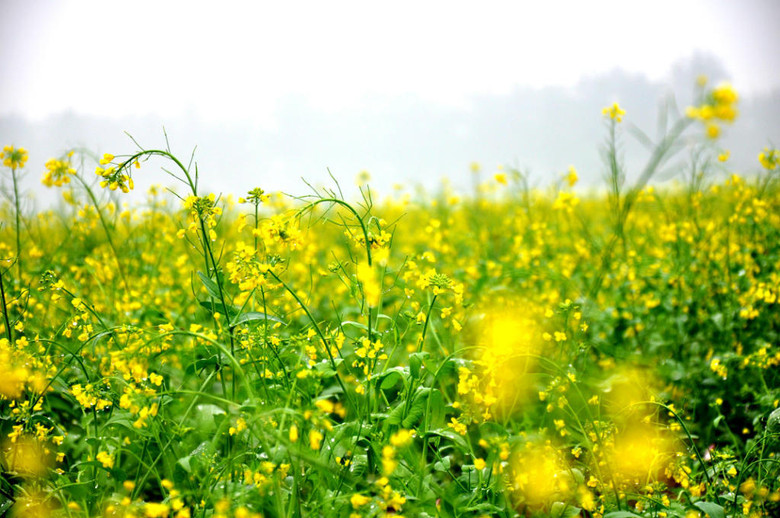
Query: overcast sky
point(235, 68)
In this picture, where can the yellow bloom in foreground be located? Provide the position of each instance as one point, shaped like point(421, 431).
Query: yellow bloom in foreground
point(315, 439)
point(24, 454)
point(500, 178)
point(155, 510)
point(371, 286)
point(640, 453)
point(539, 475)
point(402, 438)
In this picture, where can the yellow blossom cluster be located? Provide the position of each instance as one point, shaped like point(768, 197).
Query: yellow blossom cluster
point(58, 171)
point(14, 158)
point(719, 106)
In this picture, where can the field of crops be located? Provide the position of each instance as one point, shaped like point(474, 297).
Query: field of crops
point(504, 352)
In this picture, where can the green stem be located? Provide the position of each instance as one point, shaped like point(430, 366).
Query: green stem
point(18, 225)
point(107, 231)
point(8, 331)
point(319, 333)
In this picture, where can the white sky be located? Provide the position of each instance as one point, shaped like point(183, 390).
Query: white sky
point(227, 61)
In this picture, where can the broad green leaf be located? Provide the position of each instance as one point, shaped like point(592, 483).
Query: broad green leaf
point(712, 509)
point(254, 315)
point(211, 287)
point(391, 378)
point(562, 510)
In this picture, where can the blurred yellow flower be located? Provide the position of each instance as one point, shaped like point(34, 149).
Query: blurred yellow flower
point(15, 158)
point(614, 112)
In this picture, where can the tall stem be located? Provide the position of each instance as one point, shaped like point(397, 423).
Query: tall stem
point(18, 225)
point(8, 331)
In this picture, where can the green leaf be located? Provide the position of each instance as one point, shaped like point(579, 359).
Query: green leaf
point(452, 436)
point(712, 509)
point(202, 363)
point(326, 369)
point(442, 465)
point(563, 510)
point(210, 285)
point(184, 462)
point(214, 307)
point(123, 421)
point(391, 378)
point(415, 413)
point(437, 409)
point(356, 324)
point(254, 315)
point(415, 363)
point(396, 415)
point(621, 514)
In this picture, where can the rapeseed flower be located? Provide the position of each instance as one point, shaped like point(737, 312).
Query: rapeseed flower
point(14, 158)
point(614, 112)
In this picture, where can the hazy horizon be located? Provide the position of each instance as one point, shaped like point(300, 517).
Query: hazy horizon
point(405, 139)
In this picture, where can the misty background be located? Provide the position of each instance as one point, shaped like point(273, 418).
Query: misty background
point(270, 123)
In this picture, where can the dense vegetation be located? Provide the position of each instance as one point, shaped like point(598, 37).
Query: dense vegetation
point(506, 352)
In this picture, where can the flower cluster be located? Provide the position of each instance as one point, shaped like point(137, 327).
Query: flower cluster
point(202, 209)
point(113, 178)
point(769, 159)
point(14, 158)
point(719, 106)
point(58, 171)
point(614, 112)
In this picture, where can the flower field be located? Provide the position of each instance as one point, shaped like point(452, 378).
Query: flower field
point(504, 352)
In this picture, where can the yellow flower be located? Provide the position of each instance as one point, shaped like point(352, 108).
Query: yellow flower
point(401, 438)
point(713, 131)
point(315, 439)
point(106, 459)
point(479, 464)
point(357, 500)
point(769, 159)
point(614, 112)
point(15, 158)
point(500, 178)
point(572, 177)
point(725, 94)
point(155, 510)
point(372, 289)
point(58, 172)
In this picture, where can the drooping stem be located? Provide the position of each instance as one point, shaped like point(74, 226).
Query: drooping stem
point(107, 231)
